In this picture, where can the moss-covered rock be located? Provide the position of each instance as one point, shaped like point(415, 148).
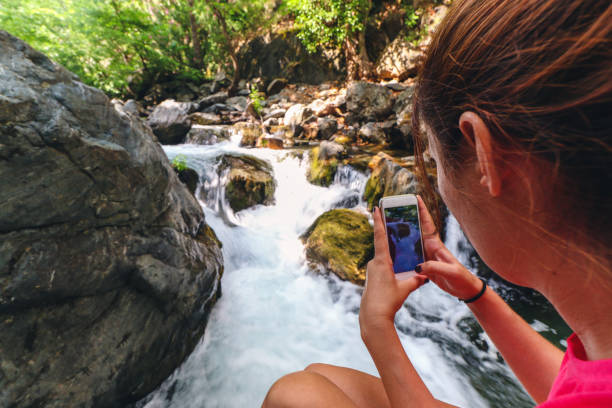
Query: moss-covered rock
point(388, 178)
point(324, 163)
point(321, 172)
point(250, 181)
point(343, 242)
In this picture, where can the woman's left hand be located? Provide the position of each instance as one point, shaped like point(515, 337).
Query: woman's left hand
point(384, 294)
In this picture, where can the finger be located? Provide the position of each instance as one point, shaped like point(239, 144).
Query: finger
point(381, 242)
point(428, 227)
point(434, 269)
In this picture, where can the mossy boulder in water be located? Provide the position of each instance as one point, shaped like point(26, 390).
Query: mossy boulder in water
point(387, 179)
point(343, 242)
point(250, 181)
point(324, 163)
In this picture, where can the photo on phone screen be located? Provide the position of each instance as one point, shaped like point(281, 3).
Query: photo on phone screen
point(404, 234)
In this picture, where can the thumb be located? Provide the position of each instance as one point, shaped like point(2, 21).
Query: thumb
point(406, 287)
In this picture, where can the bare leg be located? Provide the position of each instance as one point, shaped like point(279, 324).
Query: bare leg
point(365, 390)
point(306, 389)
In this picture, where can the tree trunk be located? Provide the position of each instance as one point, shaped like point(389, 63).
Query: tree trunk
point(365, 65)
point(229, 47)
point(352, 60)
point(195, 38)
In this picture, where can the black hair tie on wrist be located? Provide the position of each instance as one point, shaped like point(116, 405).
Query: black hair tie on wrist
point(479, 295)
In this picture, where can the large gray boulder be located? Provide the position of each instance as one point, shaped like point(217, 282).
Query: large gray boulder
point(369, 102)
point(108, 270)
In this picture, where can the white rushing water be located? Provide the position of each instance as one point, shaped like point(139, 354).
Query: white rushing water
point(277, 316)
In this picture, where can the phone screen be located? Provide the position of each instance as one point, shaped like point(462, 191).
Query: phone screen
point(404, 234)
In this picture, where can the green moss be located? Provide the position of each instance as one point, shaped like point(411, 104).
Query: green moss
point(374, 191)
point(321, 172)
point(342, 241)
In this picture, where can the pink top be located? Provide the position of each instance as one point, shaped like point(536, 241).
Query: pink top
point(581, 383)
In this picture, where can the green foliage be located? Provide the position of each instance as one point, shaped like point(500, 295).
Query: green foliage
point(124, 46)
point(328, 22)
point(413, 22)
point(257, 99)
point(179, 163)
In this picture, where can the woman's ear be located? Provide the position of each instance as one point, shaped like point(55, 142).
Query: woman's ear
point(475, 130)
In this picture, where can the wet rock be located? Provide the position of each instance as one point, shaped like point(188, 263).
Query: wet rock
point(276, 86)
point(170, 121)
point(108, 269)
point(324, 161)
point(327, 128)
point(250, 181)
point(341, 241)
point(369, 102)
point(200, 118)
point(207, 134)
point(296, 115)
point(387, 179)
point(211, 100)
point(372, 133)
point(249, 133)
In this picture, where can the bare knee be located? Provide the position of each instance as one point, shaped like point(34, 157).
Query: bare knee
point(289, 391)
point(318, 368)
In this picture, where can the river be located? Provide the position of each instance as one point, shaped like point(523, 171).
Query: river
point(276, 315)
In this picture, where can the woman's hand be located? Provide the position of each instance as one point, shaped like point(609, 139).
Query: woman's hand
point(443, 268)
point(383, 294)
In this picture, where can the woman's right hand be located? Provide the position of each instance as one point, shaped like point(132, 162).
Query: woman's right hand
point(442, 267)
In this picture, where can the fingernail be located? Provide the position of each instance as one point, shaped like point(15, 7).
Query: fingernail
point(418, 269)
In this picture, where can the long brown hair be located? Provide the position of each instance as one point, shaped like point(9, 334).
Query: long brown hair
point(539, 74)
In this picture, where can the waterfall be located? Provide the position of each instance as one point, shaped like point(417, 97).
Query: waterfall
point(277, 316)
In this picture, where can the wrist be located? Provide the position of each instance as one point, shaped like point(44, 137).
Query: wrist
point(481, 292)
point(375, 330)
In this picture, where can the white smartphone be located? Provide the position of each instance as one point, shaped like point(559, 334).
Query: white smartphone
point(403, 227)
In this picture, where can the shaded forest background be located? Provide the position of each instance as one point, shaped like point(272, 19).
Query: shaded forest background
point(124, 47)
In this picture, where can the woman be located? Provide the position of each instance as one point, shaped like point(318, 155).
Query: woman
point(515, 101)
